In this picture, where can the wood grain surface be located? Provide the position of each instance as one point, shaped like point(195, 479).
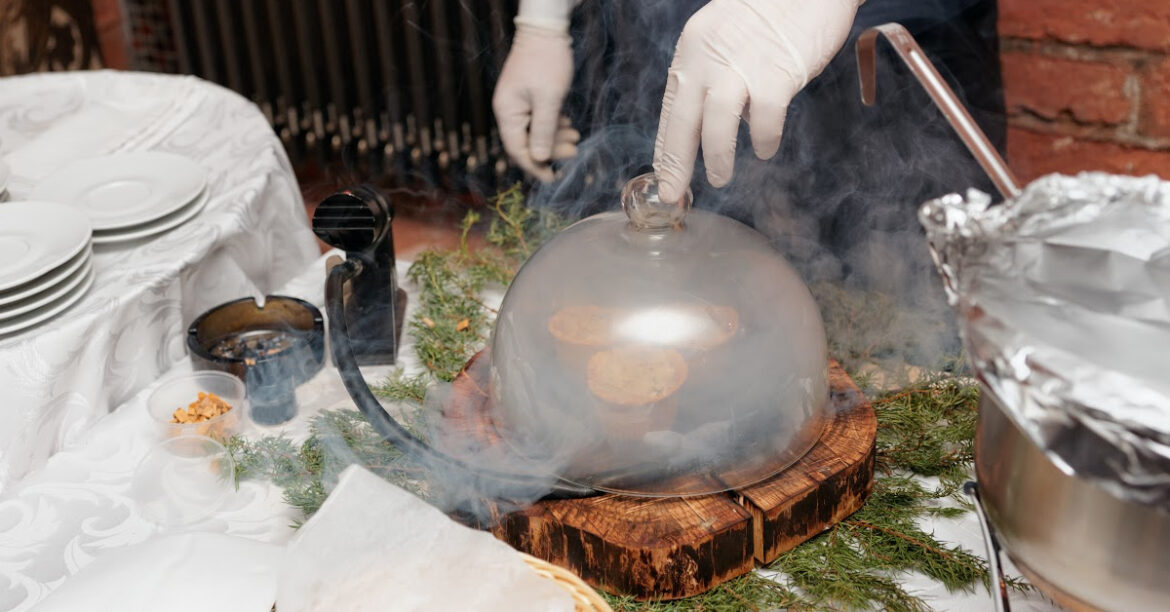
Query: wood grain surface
point(673, 547)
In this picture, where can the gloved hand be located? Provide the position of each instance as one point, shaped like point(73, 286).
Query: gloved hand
point(532, 86)
point(736, 57)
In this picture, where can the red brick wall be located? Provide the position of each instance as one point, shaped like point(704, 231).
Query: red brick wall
point(1087, 85)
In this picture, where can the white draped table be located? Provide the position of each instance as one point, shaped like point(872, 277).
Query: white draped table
point(79, 506)
point(59, 518)
point(60, 378)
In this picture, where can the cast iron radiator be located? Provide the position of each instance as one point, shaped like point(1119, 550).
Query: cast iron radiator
point(395, 89)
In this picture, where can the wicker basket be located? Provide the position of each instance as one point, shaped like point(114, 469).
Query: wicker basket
point(586, 598)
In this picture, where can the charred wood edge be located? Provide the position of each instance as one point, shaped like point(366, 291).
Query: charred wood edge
point(849, 482)
point(838, 481)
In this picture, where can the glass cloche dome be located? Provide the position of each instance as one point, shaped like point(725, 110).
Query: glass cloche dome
point(660, 351)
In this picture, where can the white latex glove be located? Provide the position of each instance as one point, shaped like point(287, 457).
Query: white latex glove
point(532, 86)
point(738, 57)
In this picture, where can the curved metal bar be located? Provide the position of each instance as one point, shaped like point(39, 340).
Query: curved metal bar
point(999, 593)
point(942, 95)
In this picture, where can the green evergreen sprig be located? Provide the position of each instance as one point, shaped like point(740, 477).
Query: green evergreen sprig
point(926, 429)
point(452, 323)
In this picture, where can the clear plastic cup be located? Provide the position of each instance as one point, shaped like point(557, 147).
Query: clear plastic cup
point(183, 480)
point(180, 391)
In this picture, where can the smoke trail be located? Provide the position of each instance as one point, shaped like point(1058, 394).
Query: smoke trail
point(839, 199)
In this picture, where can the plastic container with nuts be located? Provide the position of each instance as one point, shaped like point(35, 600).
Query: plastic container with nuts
point(212, 404)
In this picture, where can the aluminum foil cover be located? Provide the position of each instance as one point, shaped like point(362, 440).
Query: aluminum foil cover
point(1063, 299)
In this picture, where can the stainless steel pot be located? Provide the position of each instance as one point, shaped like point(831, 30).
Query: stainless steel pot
point(1079, 544)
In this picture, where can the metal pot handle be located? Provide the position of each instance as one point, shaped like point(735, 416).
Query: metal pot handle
point(994, 567)
point(942, 95)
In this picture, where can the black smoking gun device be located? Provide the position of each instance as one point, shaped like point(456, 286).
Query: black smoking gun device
point(359, 221)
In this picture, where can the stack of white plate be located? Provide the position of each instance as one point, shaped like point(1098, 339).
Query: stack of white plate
point(129, 196)
point(45, 266)
point(4, 174)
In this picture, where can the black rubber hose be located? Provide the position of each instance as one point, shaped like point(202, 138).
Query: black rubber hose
point(395, 433)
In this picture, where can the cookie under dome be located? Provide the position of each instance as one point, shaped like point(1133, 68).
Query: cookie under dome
point(659, 351)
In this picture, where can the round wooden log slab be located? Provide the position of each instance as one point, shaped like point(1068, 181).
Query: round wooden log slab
point(673, 547)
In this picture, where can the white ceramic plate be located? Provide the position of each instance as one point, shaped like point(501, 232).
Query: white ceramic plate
point(159, 226)
point(36, 237)
point(50, 279)
point(50, 295)
point(48, 311)
point(119, 191)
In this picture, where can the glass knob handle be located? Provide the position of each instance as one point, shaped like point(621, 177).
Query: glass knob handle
point(646, 211)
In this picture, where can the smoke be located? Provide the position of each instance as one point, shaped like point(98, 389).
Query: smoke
point(467, 489)
point(839, 199)
point(475, 493)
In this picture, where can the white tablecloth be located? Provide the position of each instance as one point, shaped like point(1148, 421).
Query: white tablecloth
point(78, 506)
point(60, 378)
point(58, 519)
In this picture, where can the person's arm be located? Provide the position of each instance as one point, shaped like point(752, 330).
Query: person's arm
point(532, 86)
point(740, 58)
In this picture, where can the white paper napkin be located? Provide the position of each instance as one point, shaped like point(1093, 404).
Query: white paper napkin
point(193, 572)
point(375, 547)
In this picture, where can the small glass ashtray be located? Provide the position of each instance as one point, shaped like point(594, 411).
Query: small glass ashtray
point(272, 347)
